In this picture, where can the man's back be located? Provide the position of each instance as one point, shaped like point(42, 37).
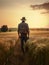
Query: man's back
point(23, 28)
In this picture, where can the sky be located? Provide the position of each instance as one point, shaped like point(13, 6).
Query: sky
point(35, 11)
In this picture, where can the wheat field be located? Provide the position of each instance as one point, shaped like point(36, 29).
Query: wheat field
point(37, 49)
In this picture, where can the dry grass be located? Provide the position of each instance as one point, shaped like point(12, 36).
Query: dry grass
point(37, 51)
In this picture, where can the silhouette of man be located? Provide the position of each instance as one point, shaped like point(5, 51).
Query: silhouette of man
point(23, 32)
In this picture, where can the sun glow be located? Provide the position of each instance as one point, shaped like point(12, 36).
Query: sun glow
point(34, 17)
point(38, 20)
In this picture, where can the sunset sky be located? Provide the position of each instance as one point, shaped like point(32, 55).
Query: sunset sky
point(35, 11)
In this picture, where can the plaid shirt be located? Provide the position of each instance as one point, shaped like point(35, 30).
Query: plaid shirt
point(21, 26)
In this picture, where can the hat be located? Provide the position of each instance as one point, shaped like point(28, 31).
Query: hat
point(23, 18)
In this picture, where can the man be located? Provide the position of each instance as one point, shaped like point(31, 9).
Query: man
point(23, 32)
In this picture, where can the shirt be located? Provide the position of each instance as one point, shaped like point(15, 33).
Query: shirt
point(23, 28)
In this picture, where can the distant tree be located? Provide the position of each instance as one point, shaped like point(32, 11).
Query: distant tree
point(4, 28)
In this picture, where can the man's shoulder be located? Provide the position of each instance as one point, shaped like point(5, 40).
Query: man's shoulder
point(26, 25)
point(23, 24)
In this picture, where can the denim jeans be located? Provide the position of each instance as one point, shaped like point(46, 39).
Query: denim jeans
point(23, 41)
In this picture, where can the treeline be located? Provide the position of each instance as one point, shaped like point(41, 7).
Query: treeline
point(5, 28)
point(39, 29)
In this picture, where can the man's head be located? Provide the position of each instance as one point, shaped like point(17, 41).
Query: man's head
point(23, 19)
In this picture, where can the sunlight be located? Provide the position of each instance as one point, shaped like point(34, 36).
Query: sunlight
point(34, 17)
point(38, 20)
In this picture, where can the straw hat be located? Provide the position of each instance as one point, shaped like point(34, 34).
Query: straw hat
point(23, 18)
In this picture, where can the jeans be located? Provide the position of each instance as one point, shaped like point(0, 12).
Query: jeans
point(23, 41)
